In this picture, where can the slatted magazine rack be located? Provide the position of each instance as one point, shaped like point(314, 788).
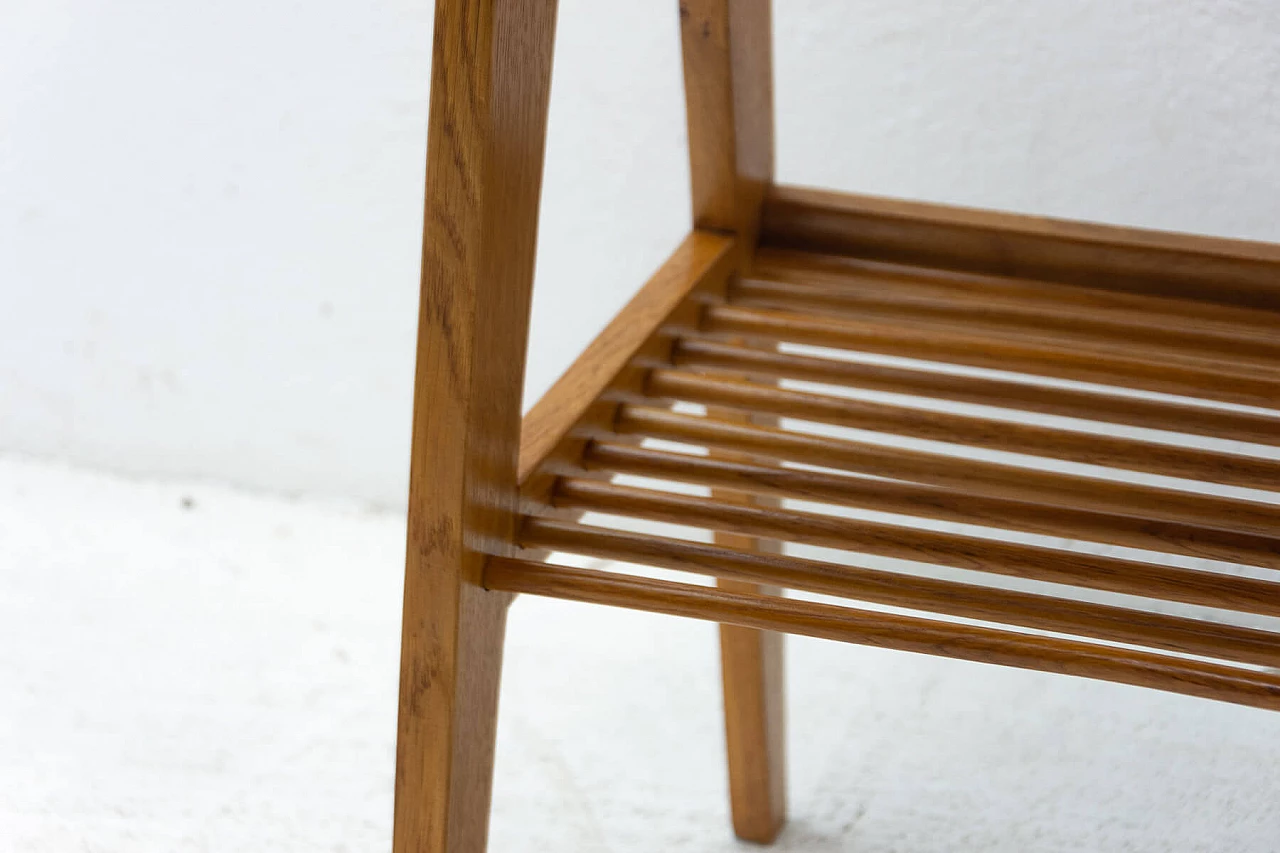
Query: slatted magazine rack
point(1039, 387)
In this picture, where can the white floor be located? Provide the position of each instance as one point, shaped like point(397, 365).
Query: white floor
point(189, 668)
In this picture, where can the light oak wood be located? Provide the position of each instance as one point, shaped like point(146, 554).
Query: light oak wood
point(1214, 270)
point(700, 265)
point(751, 567)
point(1219, 382)
point(903, 633)
point(728, 74)
point(1003, 435)
point(753, 681)
point(1050, 326)
point(1211, 323)
point(765, 267)
point(1111, 574)
point(927, 502)
point(491, 73)
point(961, 475)
point(728, 85)
point(709, 355)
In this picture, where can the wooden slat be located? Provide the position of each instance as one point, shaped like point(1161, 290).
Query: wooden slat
point(1089, 331)
point(1215, 270)
point(702, 260)
point(999, 354)
point(1019, 396)
point(928, 502)
point(1128, 577)
point(1091, 449)
point(964, 476)
point(969, 601)
point(1191, 677)
point(1202, 320)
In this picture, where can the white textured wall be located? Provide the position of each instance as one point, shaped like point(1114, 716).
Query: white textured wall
point(209, 214)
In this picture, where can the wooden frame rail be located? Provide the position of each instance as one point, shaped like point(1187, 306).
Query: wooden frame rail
point(903, 633)
point(699, 267)
point(1209, 269)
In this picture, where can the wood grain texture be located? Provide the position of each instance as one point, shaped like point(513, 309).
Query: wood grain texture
point(1003, 435)
point(728, 75)
point(753, 681)
point(1094, 406)
point(1210, 381)
point(702, 262)
point(957, 474)
point(1086, 331)
point(728, 79)
point(1232, 272)
point(903, 633)
point(907, 284)
point(1131, 309)
point(490, 80)
point(927, 502)
point(750, 567)
point(972, 553)
point(754, 685)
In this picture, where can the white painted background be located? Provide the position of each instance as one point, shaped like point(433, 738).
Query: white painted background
point(209, 213)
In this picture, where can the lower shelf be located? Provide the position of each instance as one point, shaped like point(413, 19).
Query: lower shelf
point(1038, 472)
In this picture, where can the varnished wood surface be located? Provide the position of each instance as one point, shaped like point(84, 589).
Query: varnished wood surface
point(753, 681)
point(1017, 322)
point(958, 474)
point(702, 260)
point(491, 71)
point(927, 502)
point(728, 76)
point(1123, 308)
point(1052, 565)
point(971, 601)
point(1003, 435)
point(965, 642)
point(1233, 272)
point(1217, 381)
point(1179, 328)
point(908, 284)
point(1258, 428)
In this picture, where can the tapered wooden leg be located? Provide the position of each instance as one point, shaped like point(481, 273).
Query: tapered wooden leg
point(490, 79)
point(751, 663)
point(452, 661)
point(754, 703)
point(728, 84)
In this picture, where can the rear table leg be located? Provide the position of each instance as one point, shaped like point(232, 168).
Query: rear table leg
point(751, 662)
point(726, 46)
